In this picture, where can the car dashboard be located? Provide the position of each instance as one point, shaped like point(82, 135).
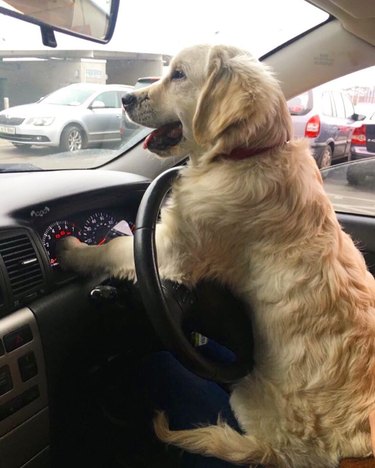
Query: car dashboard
point(41, 208)
point(47, 317)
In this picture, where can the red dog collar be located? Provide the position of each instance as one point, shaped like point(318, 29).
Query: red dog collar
point(238, 154)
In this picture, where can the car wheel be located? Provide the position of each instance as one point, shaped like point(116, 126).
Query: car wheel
point(326, 158)
point(73, 138)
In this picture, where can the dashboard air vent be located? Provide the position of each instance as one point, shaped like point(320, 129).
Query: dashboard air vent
point(21, 264)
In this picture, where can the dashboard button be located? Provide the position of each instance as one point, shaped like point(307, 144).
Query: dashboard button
point(27, 366)
point(6, 383)
point(17, 338)
point(12, 406)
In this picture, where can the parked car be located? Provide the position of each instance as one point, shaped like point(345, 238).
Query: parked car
point(363, 147)
point(327, 118)
point(71, 118)
point(363, 139)
point(146, 81)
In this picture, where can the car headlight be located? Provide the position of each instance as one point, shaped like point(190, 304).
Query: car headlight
point(40, 121)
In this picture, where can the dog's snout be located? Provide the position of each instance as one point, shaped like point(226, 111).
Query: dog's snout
point(129, 100)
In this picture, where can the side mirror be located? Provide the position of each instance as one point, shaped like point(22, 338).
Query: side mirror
point(97, 105)
point(358, 117)
point(87, 19)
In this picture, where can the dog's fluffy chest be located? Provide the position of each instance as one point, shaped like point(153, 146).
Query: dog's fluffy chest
point(211, 226)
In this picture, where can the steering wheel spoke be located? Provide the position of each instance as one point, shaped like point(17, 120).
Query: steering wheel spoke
point(180, 299)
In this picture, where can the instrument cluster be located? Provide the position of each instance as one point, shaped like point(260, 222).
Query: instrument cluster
point(96, 228)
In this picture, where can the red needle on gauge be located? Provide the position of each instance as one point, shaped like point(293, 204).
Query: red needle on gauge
point(102, 241)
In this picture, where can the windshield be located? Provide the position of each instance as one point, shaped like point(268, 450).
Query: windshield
point(138, 54)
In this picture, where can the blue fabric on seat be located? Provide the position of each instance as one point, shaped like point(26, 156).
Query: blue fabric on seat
point(187, 399)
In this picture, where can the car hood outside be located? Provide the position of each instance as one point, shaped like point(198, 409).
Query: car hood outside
point(39, 110)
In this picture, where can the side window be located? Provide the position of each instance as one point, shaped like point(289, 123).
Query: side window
point(327, 104)
point(349, 108)
point(351, 187)
point(339, 104)
point(109, 99)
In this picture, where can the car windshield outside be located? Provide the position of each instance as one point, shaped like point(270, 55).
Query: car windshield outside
point(69, 96)
point(38, 83)
point(35, 135)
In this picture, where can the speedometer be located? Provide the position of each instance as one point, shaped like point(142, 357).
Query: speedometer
point(97, 228)
point(57, 231)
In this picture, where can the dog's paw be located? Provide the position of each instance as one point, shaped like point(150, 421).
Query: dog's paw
point(66, 250)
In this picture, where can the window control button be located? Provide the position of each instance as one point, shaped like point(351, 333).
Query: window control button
point(27, 366)
point(6, 383)
point(12, 406)
point(17, 338)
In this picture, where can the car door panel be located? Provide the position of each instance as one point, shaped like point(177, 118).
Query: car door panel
point(362, 230)
point(344, 126)
point(103, 123)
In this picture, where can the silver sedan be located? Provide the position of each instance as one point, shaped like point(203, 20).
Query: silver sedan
point(71, 118)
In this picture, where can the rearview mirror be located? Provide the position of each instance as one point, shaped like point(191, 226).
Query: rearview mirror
point(89, 19)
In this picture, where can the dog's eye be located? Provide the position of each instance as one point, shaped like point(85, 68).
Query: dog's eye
point(178, 75)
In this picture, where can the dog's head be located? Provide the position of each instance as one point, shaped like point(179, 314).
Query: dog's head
point(214, 99)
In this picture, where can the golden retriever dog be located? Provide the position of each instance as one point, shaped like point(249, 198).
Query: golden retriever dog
point(249, 210)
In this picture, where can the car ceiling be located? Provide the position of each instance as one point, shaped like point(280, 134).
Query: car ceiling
point(342, 45)
point(357, 17)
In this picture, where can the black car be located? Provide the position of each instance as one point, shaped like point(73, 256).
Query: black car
point(363, 139)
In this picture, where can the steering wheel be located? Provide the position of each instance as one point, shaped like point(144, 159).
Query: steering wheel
point(176, 311)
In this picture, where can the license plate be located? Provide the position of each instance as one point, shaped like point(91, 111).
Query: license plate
point(9, 130)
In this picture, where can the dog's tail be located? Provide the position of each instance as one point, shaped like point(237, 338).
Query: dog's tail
point(220, 441)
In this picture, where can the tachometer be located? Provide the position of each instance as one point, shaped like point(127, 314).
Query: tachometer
point(57, 231)
point(97, 228)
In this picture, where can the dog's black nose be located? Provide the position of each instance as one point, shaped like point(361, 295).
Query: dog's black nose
point(129, 100)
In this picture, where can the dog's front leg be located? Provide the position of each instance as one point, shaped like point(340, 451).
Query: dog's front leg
point(170, 252)
point(116, 259)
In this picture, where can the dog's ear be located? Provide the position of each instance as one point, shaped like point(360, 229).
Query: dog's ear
point(222, 96)
point(240, 98)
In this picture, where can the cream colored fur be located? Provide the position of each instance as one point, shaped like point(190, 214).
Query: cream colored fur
point(265, 227)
